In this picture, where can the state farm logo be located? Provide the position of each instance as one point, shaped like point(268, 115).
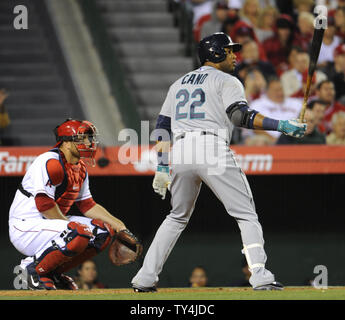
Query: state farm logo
point(14, 164)
point(255, 162)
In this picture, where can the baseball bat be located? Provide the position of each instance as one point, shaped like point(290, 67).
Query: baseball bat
point(314, 55)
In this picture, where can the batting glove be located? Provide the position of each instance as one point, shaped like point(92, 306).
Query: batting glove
point(162, 181)
point(292, 128)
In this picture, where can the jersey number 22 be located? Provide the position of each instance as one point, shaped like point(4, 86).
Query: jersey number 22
point(198, 99)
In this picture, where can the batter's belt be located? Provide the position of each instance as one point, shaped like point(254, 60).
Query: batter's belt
point(202, 133)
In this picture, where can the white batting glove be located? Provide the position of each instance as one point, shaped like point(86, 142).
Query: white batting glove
point(162, 181)
point(292, 128)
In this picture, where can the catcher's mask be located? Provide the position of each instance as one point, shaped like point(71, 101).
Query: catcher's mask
point(83, 133)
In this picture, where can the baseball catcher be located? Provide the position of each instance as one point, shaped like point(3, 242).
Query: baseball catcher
point(39, 225)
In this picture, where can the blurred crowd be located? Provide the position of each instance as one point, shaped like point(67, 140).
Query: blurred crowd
point(273, 64)
point(4, 117)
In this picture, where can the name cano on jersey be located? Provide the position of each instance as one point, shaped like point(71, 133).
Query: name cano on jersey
point(193, 78)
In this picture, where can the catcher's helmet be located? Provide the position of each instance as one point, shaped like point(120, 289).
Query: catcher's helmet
point(211, 48)
point(77, 131)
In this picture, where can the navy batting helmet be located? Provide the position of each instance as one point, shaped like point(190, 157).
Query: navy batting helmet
point(211, 48)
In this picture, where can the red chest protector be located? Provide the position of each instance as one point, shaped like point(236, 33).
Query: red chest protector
point(67, 192)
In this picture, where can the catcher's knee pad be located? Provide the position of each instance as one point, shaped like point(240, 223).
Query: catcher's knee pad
point(76, 237)
point(103, 233)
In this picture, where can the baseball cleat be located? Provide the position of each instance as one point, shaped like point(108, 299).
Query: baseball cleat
point(35, 282)
point(275, 285)
point(144, 289)
point(48, 283)
point(64, 282)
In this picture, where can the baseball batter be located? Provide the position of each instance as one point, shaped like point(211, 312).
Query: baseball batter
point(39, 225)
point(200, 110)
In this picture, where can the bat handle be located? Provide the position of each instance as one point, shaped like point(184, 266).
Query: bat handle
point(301, 116)
point(305, 100)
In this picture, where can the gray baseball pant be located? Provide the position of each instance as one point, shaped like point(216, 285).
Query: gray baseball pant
point(229, 184)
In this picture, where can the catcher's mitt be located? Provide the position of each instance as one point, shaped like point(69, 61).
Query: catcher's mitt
point(125, 248)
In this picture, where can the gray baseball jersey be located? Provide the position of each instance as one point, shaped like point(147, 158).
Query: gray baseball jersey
point(199, 99)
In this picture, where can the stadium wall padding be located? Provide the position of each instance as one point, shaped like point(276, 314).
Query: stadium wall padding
point(302, 217)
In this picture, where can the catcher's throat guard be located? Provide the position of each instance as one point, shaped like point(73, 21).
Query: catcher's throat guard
point(83, 133)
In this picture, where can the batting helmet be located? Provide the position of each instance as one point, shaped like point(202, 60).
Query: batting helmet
point(211, 48)
point(76, 131)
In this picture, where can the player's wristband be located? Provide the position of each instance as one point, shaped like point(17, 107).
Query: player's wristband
point(163, 168)
point(163, 158)
point(270, 124)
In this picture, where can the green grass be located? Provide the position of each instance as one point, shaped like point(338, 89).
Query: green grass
point(289, 293)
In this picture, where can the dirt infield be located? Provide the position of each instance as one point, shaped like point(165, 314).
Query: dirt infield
point(289, 293)
point(24, 293)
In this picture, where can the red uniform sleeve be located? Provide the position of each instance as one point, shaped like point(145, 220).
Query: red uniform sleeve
point(55, 171)
point(85, 205)
point(43, 202)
